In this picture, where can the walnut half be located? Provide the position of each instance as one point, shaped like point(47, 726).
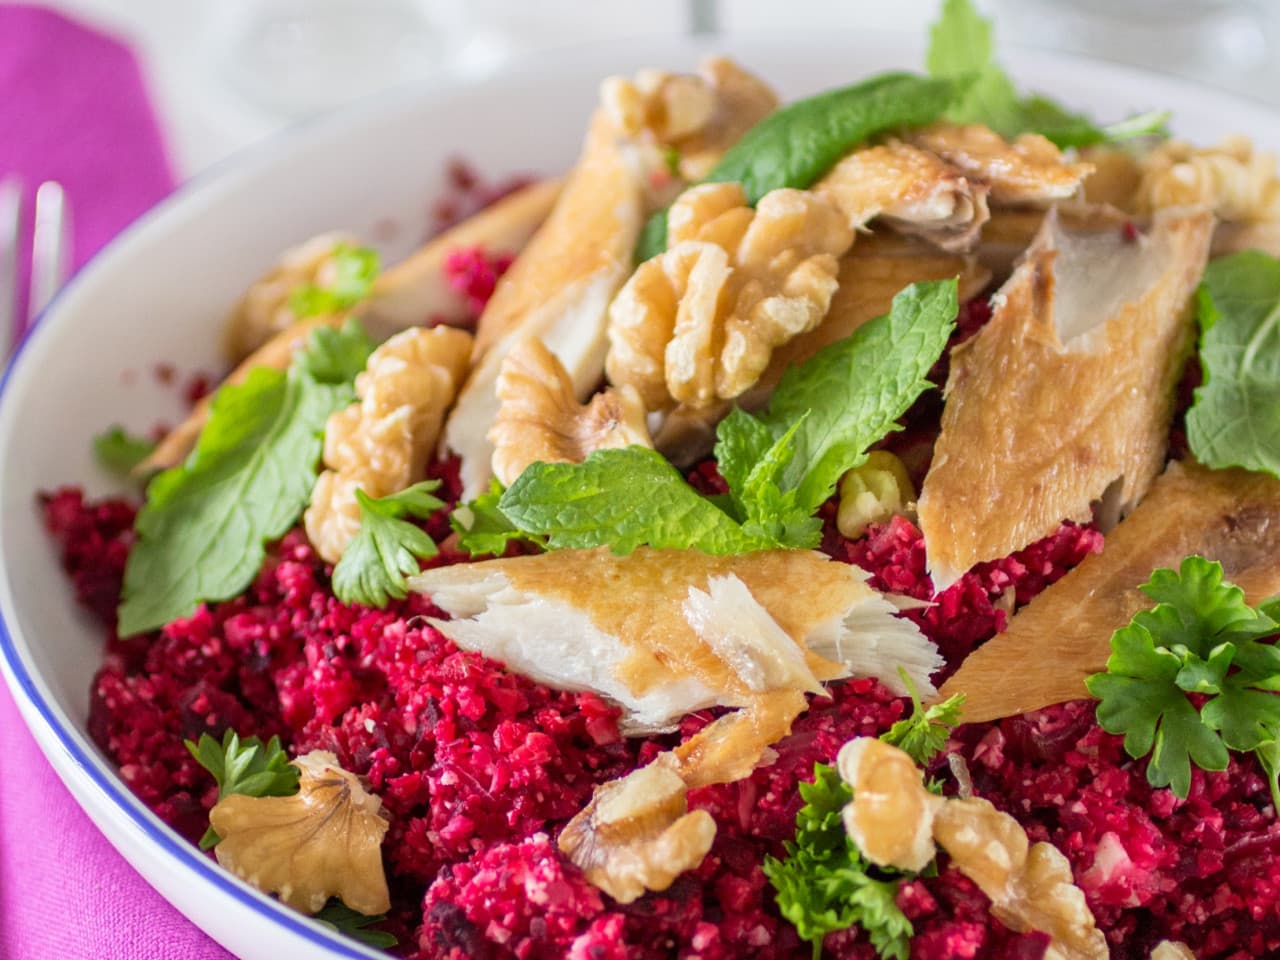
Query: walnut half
point(895, 821)
point(637, 833)
point(324, 841)
point(698, 323)
point(381, 443)
point(540, 420)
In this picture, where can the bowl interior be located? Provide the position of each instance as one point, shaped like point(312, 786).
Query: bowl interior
point(158, 294)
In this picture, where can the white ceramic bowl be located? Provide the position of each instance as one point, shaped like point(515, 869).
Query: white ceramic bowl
point(158, 293)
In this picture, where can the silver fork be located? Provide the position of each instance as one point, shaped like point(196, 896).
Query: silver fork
point(50, 257)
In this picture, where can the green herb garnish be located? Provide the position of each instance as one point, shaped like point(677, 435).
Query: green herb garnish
point(388, 547)
point(483, 529)
point(1201, 637)
point(336, 915)
point(960, 45)
point(354, 270)
point(794, 146)
point(824, 884)
point(780, 467)
point(247, 767)
point(203, 532)
point(924, 734)
point(1235, 419)
point(120, 451)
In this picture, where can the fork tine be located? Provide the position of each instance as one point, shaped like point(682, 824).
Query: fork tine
point(49, 255)
point(10, 210)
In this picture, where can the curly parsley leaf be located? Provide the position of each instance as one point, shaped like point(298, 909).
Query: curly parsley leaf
point(247, 767)
point(924, 734)
point(1234, 420)
point(824, 884)
point(483, 529)
point(597, 503)
point(797, 144)
point(960, 45)
point(353, 271)
point(1201, 637)
point(388, 547)
point(336, 915)
point(120, 451)
point(203, 531)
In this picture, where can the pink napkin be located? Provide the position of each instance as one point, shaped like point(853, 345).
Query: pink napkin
point(73, 108)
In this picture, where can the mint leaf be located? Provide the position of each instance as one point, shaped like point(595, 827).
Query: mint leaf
point(854, 391)
point(797, 144)
point(388, 548)
point(336, 915)
point(203, 531)
point(924, 734)
point(623, 498)
point(246, 767)
point(1234, 420)
point(354, 270)
point(961, 45)
point(119, 451)
point(483, 529)
point(755, 464)
point(824, 884)
point(1201, 637)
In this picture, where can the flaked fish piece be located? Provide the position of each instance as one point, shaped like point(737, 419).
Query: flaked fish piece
point(664, 633)
point(878, 267)
point(1026, 170)
point(1064, 634)
point(403, 296)
point(910, 189)
point(1067, 391)
point(560, 288)
point(590, 620)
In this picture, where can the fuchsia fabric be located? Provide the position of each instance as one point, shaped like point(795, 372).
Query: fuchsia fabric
point(73, 108)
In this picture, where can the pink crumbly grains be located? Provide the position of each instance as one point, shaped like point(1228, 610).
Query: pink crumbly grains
point(479, 769)
point(474, 274)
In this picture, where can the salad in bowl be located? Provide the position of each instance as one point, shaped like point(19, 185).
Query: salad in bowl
point(844, 527)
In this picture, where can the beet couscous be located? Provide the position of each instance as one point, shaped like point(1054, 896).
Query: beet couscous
point(810, 530)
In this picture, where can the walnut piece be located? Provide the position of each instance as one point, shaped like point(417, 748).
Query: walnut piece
point(1172, 950)
point(1238, 183)
point(540, 419)
point(325, 841)
point(698, 323)
point(895, 821)
point(264, 309)
point(637, 833)
point(381, 443)
point(891, 816)
point(873, 493)
point(1031, 887)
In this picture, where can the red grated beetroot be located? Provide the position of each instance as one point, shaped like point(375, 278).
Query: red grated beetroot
point(478, 769)
point(474, 273)
point(978, 605)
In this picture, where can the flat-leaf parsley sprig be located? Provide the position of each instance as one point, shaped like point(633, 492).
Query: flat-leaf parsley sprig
point(374, 567)
point(247, 767)
point(1200, 638)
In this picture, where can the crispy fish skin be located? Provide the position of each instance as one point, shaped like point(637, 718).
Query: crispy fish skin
point(1068, 390)
point(1028, 169)
point(1064, 634)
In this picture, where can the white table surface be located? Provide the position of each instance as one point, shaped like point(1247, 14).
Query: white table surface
point(206, 120)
